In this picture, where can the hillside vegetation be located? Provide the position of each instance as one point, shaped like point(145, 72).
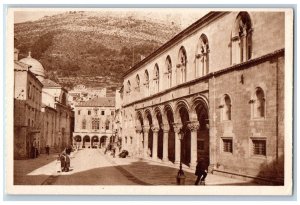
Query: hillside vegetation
point(79, 47)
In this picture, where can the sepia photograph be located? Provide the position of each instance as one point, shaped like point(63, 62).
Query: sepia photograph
point(149, 101)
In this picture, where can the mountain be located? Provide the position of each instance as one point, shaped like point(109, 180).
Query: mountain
point(91, 48)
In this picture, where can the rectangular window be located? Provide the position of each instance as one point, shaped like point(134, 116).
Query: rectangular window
point(227, 145)
point(259, 147)
point(112, 113)
point(78, 112)
point(102, 112)
point(89, 112)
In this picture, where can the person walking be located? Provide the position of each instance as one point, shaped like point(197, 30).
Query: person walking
point(201, 173)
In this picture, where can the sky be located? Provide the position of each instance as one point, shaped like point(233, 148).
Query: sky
point(183, 17)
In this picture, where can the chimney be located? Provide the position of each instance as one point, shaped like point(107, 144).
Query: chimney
point(16, 54)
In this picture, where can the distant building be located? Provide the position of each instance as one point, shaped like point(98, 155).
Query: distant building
point(81, 93)
point(55, 119)
point(27, 110)
point(94, 123)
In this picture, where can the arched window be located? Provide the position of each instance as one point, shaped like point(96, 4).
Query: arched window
point(147, 82)
point(95, 123)
point(226, 108)
point(128, 87)
point(181, 66)
point(259, 103)
point(83, 125)
point(202, 58)
point(241, 40)
point(169, 72)
point(156, 78)
point(137, 79)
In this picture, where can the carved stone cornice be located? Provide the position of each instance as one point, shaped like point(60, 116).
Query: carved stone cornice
point(193, 126)
point(165, 127)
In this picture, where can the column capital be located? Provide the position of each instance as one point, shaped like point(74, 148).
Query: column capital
point(146, 128)
point(193, 126)
point(165, 127)
point(177, 127)
point(154, 128)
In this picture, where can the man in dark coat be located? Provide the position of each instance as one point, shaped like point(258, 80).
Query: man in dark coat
point(201, 173)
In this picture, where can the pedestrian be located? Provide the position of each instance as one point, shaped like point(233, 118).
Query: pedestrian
point(201, 173)
point(63, 162)
point(47, 150)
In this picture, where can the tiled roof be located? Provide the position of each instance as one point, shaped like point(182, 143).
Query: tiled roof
point(98, 102)
point(50, 83)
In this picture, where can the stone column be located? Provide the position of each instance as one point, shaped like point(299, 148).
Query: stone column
point(193, 127)
point(154, 145)
point(138, 130)
point(166, 130)
point(146, 136)
point(177, 127)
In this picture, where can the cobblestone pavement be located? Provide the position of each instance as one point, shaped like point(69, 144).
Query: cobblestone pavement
point(93, 167)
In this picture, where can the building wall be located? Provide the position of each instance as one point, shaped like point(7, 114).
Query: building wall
point(220, 54)
point(265, 69)
point(27, 106)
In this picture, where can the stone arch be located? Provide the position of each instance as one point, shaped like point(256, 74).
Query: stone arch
point(182, 65)
point(241, 39)
point(149, 123)
point(202, 56)
point(103, 141)
point(168, 112)
point(168, 71)
point(86, 141)
point(180, 104)
point(200, 106)
point(160, 122)
point(95, 141)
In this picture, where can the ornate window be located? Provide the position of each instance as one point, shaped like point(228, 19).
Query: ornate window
point(169, 71)
point(128, 87)
point(137, 79)
point(181, 66)
point(83, 125)
point(95, 123)
point(147, 82)
point(202, 58)
point(156, 78)
point(107, 123)
point(241, 40)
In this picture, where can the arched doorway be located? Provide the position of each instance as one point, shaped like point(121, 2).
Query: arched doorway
point(171, 138)
point(95, 141)
point(77, 141)
point(186, 141)
point(160, 135)
point(103, 141)
point(202, 133)
point(86, 142)
point(150, 134)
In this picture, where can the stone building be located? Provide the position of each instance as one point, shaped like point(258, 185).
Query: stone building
point(55, 119)
point(213, 93)
point(94, 123)
point(27, 110)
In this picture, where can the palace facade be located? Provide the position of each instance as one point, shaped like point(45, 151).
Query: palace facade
point(213, 93)
point(94, 123)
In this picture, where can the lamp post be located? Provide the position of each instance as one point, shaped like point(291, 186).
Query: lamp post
point(180, 174)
